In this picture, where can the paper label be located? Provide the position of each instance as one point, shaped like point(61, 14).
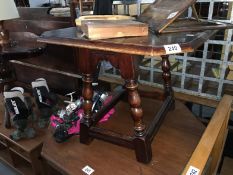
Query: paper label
point(193, 171)
point(172, 15)
point(172, 48)
point(88, 170)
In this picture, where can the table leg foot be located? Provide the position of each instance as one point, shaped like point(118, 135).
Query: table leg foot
point(84, 133)
point(143, 149)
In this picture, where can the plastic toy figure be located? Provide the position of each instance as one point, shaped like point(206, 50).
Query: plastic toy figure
point(18, 110)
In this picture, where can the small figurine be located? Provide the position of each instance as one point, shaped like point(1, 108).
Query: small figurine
point(18, 110)
point(46, 101)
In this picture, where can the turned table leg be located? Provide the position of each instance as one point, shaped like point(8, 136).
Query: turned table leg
point(86, 64)
point(142, 143)
point(135, 107)
point(87, 93)
point(168, 91)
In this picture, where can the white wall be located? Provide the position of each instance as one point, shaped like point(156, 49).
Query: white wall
point(38, 3)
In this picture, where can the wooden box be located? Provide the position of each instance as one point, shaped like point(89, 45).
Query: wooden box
point(113, 29)
point(79, 20)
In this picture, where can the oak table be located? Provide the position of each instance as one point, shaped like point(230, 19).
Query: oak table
point(123, 53)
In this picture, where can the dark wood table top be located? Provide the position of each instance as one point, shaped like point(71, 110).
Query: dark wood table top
point(150, 45)
point(171, 147)
point(22, 45)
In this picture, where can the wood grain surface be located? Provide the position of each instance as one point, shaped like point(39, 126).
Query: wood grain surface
point(172, 146)
point(150, 45)
point(208, 152)
point(104, 29)
point(22, 45)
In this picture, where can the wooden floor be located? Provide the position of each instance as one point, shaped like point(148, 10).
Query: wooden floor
point(227, 168)
point(172, 145)
point(25, 168)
